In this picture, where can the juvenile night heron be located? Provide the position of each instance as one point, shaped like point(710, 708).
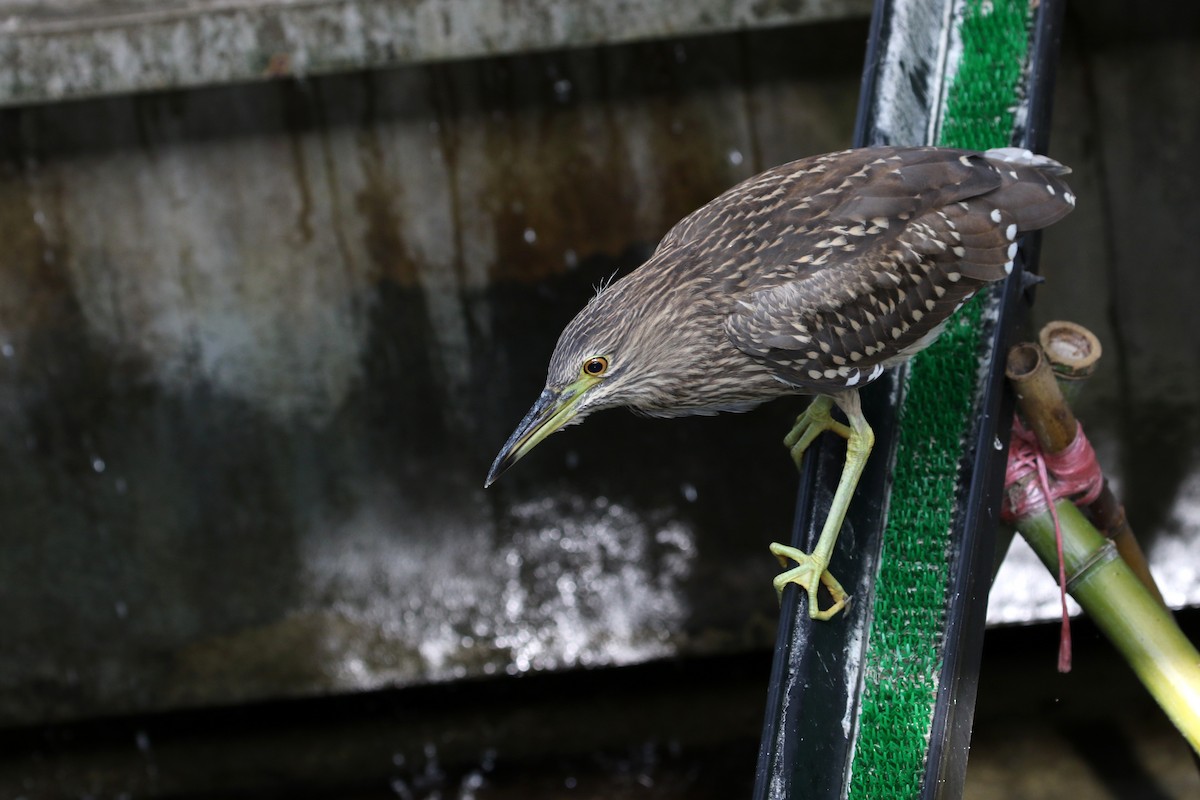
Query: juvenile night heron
point(810, 278)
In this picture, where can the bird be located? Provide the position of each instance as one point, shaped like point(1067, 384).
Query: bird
point(810, 278)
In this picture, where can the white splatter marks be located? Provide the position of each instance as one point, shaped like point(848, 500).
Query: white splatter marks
point(1011, 232)
point(995, 215)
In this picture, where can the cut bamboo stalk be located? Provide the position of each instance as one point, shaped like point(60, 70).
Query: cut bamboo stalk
point(1073, 352)
point(1129, 615)
point(1041, 401)
point(1039, 398)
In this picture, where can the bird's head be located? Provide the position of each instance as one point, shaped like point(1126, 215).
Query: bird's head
point(610, 355)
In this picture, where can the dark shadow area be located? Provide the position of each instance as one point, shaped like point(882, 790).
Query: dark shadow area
point(1095, 732)
point(684, 728)
point(668, 729)
point(1110, 755)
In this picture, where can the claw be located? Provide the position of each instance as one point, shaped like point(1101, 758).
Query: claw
point(814, 421)
point(810, 574)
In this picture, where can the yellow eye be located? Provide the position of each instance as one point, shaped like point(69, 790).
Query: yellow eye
point(595, 366)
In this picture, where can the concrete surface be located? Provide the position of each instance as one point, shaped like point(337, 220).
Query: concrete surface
point(260, 343)
point(69, 49)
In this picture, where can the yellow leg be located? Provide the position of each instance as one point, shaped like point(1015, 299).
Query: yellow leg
point(812, 569)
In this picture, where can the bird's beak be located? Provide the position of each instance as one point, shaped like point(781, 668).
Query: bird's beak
point(553, 410)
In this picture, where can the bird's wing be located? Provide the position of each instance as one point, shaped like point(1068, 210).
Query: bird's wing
point(801, 199)
point(876, 263)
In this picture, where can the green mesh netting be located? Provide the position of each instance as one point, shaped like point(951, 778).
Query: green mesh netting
point(903, 658)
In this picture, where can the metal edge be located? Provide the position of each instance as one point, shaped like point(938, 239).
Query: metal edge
point(816, 673)
point(954, 710)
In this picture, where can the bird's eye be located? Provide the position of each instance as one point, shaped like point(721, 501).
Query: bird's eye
point(595, 366)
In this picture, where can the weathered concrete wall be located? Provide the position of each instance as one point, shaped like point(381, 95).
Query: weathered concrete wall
point(259, 344)
point(84, 48)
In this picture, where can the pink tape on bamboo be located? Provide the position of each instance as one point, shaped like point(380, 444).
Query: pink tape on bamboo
point(1073, 473)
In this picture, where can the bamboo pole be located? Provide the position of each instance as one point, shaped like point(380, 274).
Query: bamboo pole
point(1039, 398)
point(1120, 604)
point(1050, 418)
point(1074, 352)
point(1122, 600)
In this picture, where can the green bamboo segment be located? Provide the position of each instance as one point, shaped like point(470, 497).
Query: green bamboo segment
point(1133, 620)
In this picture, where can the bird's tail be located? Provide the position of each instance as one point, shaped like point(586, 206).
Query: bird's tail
point(1032, 189)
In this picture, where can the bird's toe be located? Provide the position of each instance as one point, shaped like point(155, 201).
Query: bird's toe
point(810, 574)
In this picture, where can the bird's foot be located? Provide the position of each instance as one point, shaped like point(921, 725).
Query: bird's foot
point(814, 421)
point(811, 574)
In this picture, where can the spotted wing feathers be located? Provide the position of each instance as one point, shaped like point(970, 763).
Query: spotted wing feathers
point(887, 244)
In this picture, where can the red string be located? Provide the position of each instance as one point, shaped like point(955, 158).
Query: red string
point(1073, 473)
